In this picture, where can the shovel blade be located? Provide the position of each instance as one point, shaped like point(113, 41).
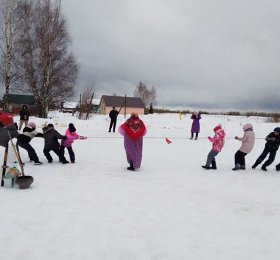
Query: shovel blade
point(24, 182)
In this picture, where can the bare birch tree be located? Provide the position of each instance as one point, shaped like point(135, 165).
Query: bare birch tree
point(50, 70)
point(147, 95)
point(8, 71)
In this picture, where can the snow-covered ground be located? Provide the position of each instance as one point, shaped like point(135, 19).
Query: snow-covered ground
point(170, 209)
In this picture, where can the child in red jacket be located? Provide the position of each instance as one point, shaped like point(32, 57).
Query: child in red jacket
point(218, 143)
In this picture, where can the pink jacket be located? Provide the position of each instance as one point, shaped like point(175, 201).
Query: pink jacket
point(218, 140)
point(70, 138)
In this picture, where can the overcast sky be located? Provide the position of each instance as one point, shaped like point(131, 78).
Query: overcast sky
point(220, 54)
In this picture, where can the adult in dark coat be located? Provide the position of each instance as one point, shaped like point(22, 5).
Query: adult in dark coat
point(4, 136)
point(24, 116)
point(195, 125)
point(271, 147)
point(113, 115)
point(51, 137)
point(24, 139)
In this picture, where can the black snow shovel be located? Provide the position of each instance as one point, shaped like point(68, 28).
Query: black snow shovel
point(22, 181)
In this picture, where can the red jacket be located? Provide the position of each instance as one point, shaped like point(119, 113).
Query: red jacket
point(218, 140)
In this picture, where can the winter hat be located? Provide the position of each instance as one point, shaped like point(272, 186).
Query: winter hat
point(134, 114)
point(72, 128)
point(247, 126)
point(217, 128)
point(277, 129)
point(31, 125)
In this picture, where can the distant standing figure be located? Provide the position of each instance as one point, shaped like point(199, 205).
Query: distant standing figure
point(24, 116)
point(195, 125)
point(218, 142)
point(71, 135)
point(271, 148)
point(113, 115)
point(133, 131)
point(248, 141)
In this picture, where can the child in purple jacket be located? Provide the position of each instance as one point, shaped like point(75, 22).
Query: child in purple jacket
point(71, 136)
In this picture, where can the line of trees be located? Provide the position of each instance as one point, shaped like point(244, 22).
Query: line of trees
point(34, 57)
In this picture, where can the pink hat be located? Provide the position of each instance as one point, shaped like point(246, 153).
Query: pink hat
point(217, 128)
point(31, 125)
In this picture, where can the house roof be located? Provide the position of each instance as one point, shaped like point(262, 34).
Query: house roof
point(117, 101)
point(70, 104)
point(96, 101)
point(20, 99)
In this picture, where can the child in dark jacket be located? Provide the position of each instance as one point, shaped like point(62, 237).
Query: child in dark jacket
point(51, 137)
point(24, 139)
point(71, 136)
point(271, 148)
point(5, 131)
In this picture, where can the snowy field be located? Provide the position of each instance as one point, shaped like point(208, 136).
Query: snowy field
point(170, 209)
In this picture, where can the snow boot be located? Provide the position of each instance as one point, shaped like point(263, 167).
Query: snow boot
point(214, 166)
point(237, 167)
point(256, 164)
point(264, 168)
point(242, 167)
point(205, 167)
point(38, 163)
point(131, 168)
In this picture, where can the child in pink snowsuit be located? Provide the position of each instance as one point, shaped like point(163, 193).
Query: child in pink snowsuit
point(217, 145)
point(71, 136)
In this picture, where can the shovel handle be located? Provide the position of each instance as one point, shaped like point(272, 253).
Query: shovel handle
point(17, 154)
point(4, 165)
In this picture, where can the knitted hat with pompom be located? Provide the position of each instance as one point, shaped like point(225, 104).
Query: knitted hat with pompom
point(217, 128)
point(31, 125)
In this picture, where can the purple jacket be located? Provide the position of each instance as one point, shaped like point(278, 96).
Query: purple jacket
point(195, 123)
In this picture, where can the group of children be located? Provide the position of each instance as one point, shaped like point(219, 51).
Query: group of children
point(247, 144)
point(51, 143)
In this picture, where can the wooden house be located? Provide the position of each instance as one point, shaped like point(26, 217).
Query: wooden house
point(128, 104)
point(16, 101)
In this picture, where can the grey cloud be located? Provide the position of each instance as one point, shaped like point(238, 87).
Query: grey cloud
point(210, 53)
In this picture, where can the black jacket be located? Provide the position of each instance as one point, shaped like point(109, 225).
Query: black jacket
point(113, 114)
point(28, 134)
point(51, 137)
point(24, 114)
point(4, 136)
point(272, 141)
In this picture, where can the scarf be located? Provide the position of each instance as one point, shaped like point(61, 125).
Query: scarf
point(134, 127)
